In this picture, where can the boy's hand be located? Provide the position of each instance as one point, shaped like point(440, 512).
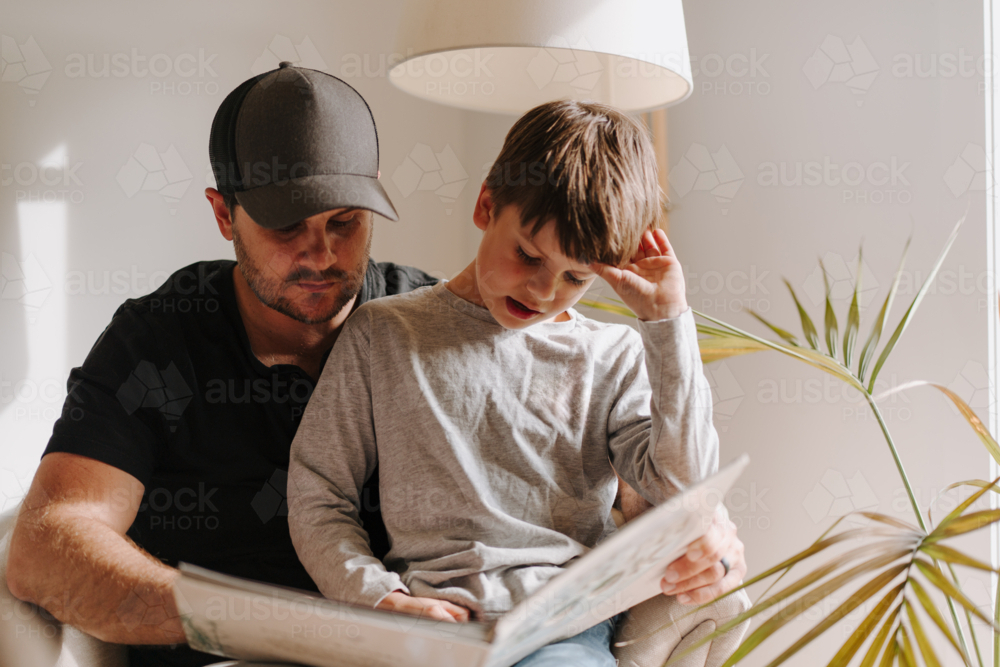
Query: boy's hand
point(438, 610)
point(653, 284)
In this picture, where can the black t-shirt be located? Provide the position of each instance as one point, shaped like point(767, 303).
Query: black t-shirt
point(172, 394)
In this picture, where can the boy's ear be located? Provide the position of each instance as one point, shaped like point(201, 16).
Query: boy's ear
point(483, 212)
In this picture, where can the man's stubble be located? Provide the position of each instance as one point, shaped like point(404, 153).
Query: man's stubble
point(269, 287)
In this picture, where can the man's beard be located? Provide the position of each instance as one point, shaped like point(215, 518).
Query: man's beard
point(269, 287)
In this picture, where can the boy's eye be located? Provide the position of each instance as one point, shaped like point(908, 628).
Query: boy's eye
point(525, 257)
point(573, 280)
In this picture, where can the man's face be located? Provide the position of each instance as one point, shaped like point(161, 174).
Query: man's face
point(524, 280)
point(308, 271)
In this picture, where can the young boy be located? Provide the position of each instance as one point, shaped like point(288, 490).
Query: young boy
point(494, 411)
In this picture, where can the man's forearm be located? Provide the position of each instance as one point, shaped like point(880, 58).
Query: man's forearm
point(87, 575)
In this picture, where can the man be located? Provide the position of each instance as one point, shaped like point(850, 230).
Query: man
point(174, 440)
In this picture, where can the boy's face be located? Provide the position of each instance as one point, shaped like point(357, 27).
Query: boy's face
point(524, 280)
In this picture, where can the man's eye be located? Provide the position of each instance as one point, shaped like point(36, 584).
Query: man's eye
point(525, 257)
point(341, 221)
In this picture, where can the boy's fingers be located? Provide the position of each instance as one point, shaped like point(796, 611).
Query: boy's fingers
point(663, 243)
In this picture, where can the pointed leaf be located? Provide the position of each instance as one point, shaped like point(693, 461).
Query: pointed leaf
point(911, 311)
point(853, 318)
point(802, 604)
point(969, 482)
point(884, 556)
point(706, 330)
point(858, 637)
point(882, 551)
point(857, 598)
point(714, 349)
point(811, 357)
point(909, 658)
point(965, 524)
point(868, 351)
point(624, 311)
point(928, 604)
point(785, 335)
point(964, 505)
point(949, 555)
point(935, 576)
point(829, 317)
point(892, 521)
point(970, 416)
point(890, 655)
point(880, 639)
point(926, 651)
point(808, 328)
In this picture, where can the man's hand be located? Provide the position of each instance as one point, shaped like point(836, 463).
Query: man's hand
point(698, 576)
point(653, 284)
point(438, 610)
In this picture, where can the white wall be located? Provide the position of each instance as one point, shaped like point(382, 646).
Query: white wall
point(97, 229)
point(777, 115)
point(769, 115)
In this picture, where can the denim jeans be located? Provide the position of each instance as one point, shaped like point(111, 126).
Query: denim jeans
point(590, 648)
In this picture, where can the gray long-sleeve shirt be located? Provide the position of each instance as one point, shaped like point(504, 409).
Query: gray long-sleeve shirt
point(492, 445)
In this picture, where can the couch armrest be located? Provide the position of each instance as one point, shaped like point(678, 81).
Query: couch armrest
point(655, 647)
point(29, 636)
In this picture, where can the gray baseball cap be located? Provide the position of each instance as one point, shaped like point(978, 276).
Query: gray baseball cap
point(294, 142)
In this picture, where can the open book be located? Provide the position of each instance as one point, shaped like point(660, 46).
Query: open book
point(237, 618)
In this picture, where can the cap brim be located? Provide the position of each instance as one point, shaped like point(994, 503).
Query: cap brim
point(280, 205)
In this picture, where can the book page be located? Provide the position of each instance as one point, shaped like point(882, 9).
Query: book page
point(619, 573)
point(237, 618)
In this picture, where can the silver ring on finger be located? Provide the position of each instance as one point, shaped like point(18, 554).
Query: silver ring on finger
point(725, 565)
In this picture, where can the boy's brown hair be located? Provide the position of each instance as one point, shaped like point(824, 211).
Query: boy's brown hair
point(587, 166)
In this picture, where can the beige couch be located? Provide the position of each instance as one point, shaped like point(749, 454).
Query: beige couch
point(30, 638)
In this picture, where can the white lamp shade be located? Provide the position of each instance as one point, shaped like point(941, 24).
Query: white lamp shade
point(511, 55)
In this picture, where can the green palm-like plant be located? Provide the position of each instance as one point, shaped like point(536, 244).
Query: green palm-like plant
point(897, 563)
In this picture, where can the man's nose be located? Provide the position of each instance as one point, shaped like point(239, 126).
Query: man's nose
point(320, 250)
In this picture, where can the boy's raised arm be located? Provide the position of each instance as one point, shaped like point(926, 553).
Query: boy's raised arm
point(662, 444)
point(332, 456)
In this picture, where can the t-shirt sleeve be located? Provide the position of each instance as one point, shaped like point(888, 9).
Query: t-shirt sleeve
point(103, 416)
point(660, 432)
point(333, 453)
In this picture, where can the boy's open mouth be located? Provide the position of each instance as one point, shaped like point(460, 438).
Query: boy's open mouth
point(519, 310)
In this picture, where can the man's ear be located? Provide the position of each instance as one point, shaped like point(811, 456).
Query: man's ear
point(222, 217)
point(483, 213)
